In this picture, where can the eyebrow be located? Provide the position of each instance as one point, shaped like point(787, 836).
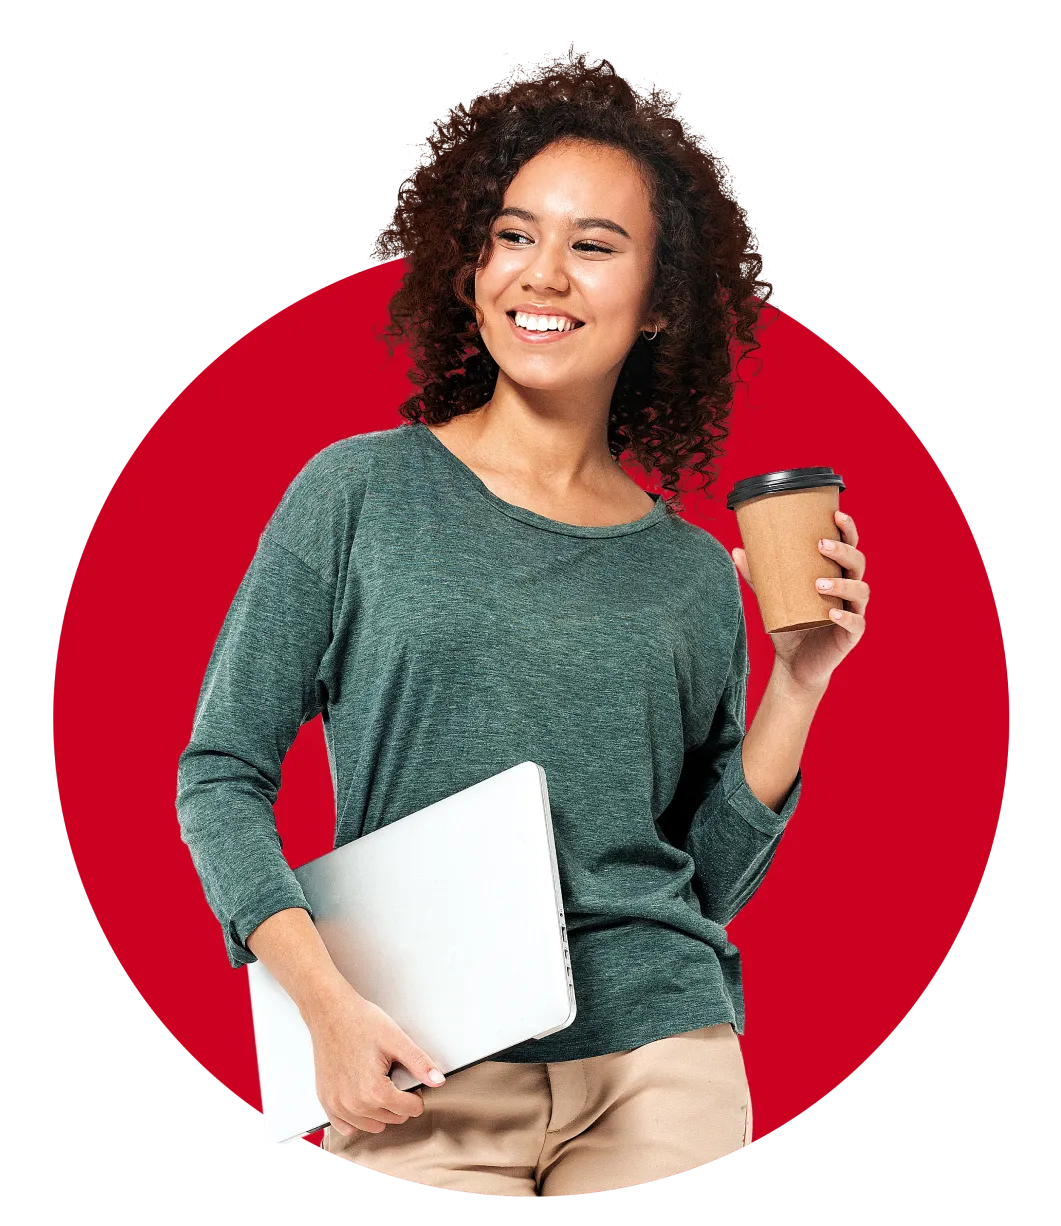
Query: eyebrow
point(581, 223)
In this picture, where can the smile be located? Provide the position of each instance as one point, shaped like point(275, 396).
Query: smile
point(542, 329)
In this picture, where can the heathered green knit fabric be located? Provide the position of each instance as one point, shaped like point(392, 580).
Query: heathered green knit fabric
point(444, 635)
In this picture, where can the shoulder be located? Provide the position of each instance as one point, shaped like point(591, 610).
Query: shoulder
point(707, 556)
point(349, 462)
point(717, 594)
point(345, 469)
point(317, 517)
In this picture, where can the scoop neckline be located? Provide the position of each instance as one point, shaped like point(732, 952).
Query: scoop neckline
point(476, 483)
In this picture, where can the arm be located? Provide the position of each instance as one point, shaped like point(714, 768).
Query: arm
point(265, 678)
point(751, 784)
point(261, 685)
point(230, 775)
point(734, 855)
point(773, 745)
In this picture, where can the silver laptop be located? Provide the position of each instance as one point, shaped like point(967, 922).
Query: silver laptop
point(451, 920)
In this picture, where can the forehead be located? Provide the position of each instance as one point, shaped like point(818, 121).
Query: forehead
point(572, 179)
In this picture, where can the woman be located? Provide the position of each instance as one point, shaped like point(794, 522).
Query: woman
point(483, 585)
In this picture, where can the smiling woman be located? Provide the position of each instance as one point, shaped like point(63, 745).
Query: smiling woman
point(484, 585)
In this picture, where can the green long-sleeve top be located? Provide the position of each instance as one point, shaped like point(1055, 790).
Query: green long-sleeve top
point(444, 635)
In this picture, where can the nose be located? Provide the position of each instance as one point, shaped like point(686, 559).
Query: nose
point(545, 269)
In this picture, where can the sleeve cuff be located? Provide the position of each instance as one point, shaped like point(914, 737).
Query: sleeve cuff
point(255, 911)
point(740, 797)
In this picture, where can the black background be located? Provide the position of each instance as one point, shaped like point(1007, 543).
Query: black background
point(205, 202)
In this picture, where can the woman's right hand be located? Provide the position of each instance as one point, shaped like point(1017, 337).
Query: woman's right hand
point(354, 1046)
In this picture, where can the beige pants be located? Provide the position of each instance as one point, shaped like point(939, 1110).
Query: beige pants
point(573, 1126)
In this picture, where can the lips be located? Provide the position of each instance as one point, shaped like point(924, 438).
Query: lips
point(544, 309)
point(551, 337)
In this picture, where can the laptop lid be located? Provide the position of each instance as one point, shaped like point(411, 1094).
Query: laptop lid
point(451, 920)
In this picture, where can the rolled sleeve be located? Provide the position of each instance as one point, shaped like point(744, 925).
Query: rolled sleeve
point(278, 895)
point(744, 801)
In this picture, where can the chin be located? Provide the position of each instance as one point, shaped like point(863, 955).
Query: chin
point(539, 376)
point(542, 381)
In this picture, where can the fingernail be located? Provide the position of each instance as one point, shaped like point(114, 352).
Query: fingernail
point(435, 1077)
point(828, 544)
point(825, 584)
point(843, 516)
point(836, 614)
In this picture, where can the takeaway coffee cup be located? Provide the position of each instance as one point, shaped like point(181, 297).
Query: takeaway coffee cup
point(782, 516)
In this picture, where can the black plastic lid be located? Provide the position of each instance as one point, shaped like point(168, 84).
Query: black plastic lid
point(781, 482)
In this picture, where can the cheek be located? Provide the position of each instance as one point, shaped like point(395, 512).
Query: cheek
point(615, 290)
point(496, 276)
point(617, 311)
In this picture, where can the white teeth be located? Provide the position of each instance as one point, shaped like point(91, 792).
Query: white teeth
point(544, 323)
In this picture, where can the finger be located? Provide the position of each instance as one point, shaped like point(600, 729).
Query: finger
point(855, 591)
point(846, 556)
point(379, 1105)
point(848, 619)
point(394, 1117)
point(371, 1111)
point(400, 1102)
point(740, 560)
point(847, 527)
point(372, 1103)
point(419, 1063)
point(349, 1126)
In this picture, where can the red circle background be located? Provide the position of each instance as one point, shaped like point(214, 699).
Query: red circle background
point(875, 873)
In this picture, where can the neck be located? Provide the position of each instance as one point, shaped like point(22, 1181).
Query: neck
point(558, 439)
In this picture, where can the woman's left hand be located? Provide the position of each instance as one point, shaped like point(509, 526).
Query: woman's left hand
point(809, 656)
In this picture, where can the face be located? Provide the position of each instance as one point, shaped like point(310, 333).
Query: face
point(574, 245)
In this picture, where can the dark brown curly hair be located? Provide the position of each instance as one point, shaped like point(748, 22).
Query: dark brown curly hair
point(673, 397)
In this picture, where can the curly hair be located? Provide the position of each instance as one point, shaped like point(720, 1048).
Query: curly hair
point(673, 397)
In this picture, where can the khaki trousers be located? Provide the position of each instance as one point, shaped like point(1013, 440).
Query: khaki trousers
point(572, 1126)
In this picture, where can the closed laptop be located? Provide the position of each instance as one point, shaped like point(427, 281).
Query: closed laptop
point(451, 920)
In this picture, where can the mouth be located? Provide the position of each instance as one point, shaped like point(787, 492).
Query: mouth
point(542, 329)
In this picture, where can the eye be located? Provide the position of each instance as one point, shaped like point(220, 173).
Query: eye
point(586, 245)
point(510, 236)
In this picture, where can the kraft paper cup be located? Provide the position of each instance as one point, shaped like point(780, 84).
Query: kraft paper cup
point(782, 515)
